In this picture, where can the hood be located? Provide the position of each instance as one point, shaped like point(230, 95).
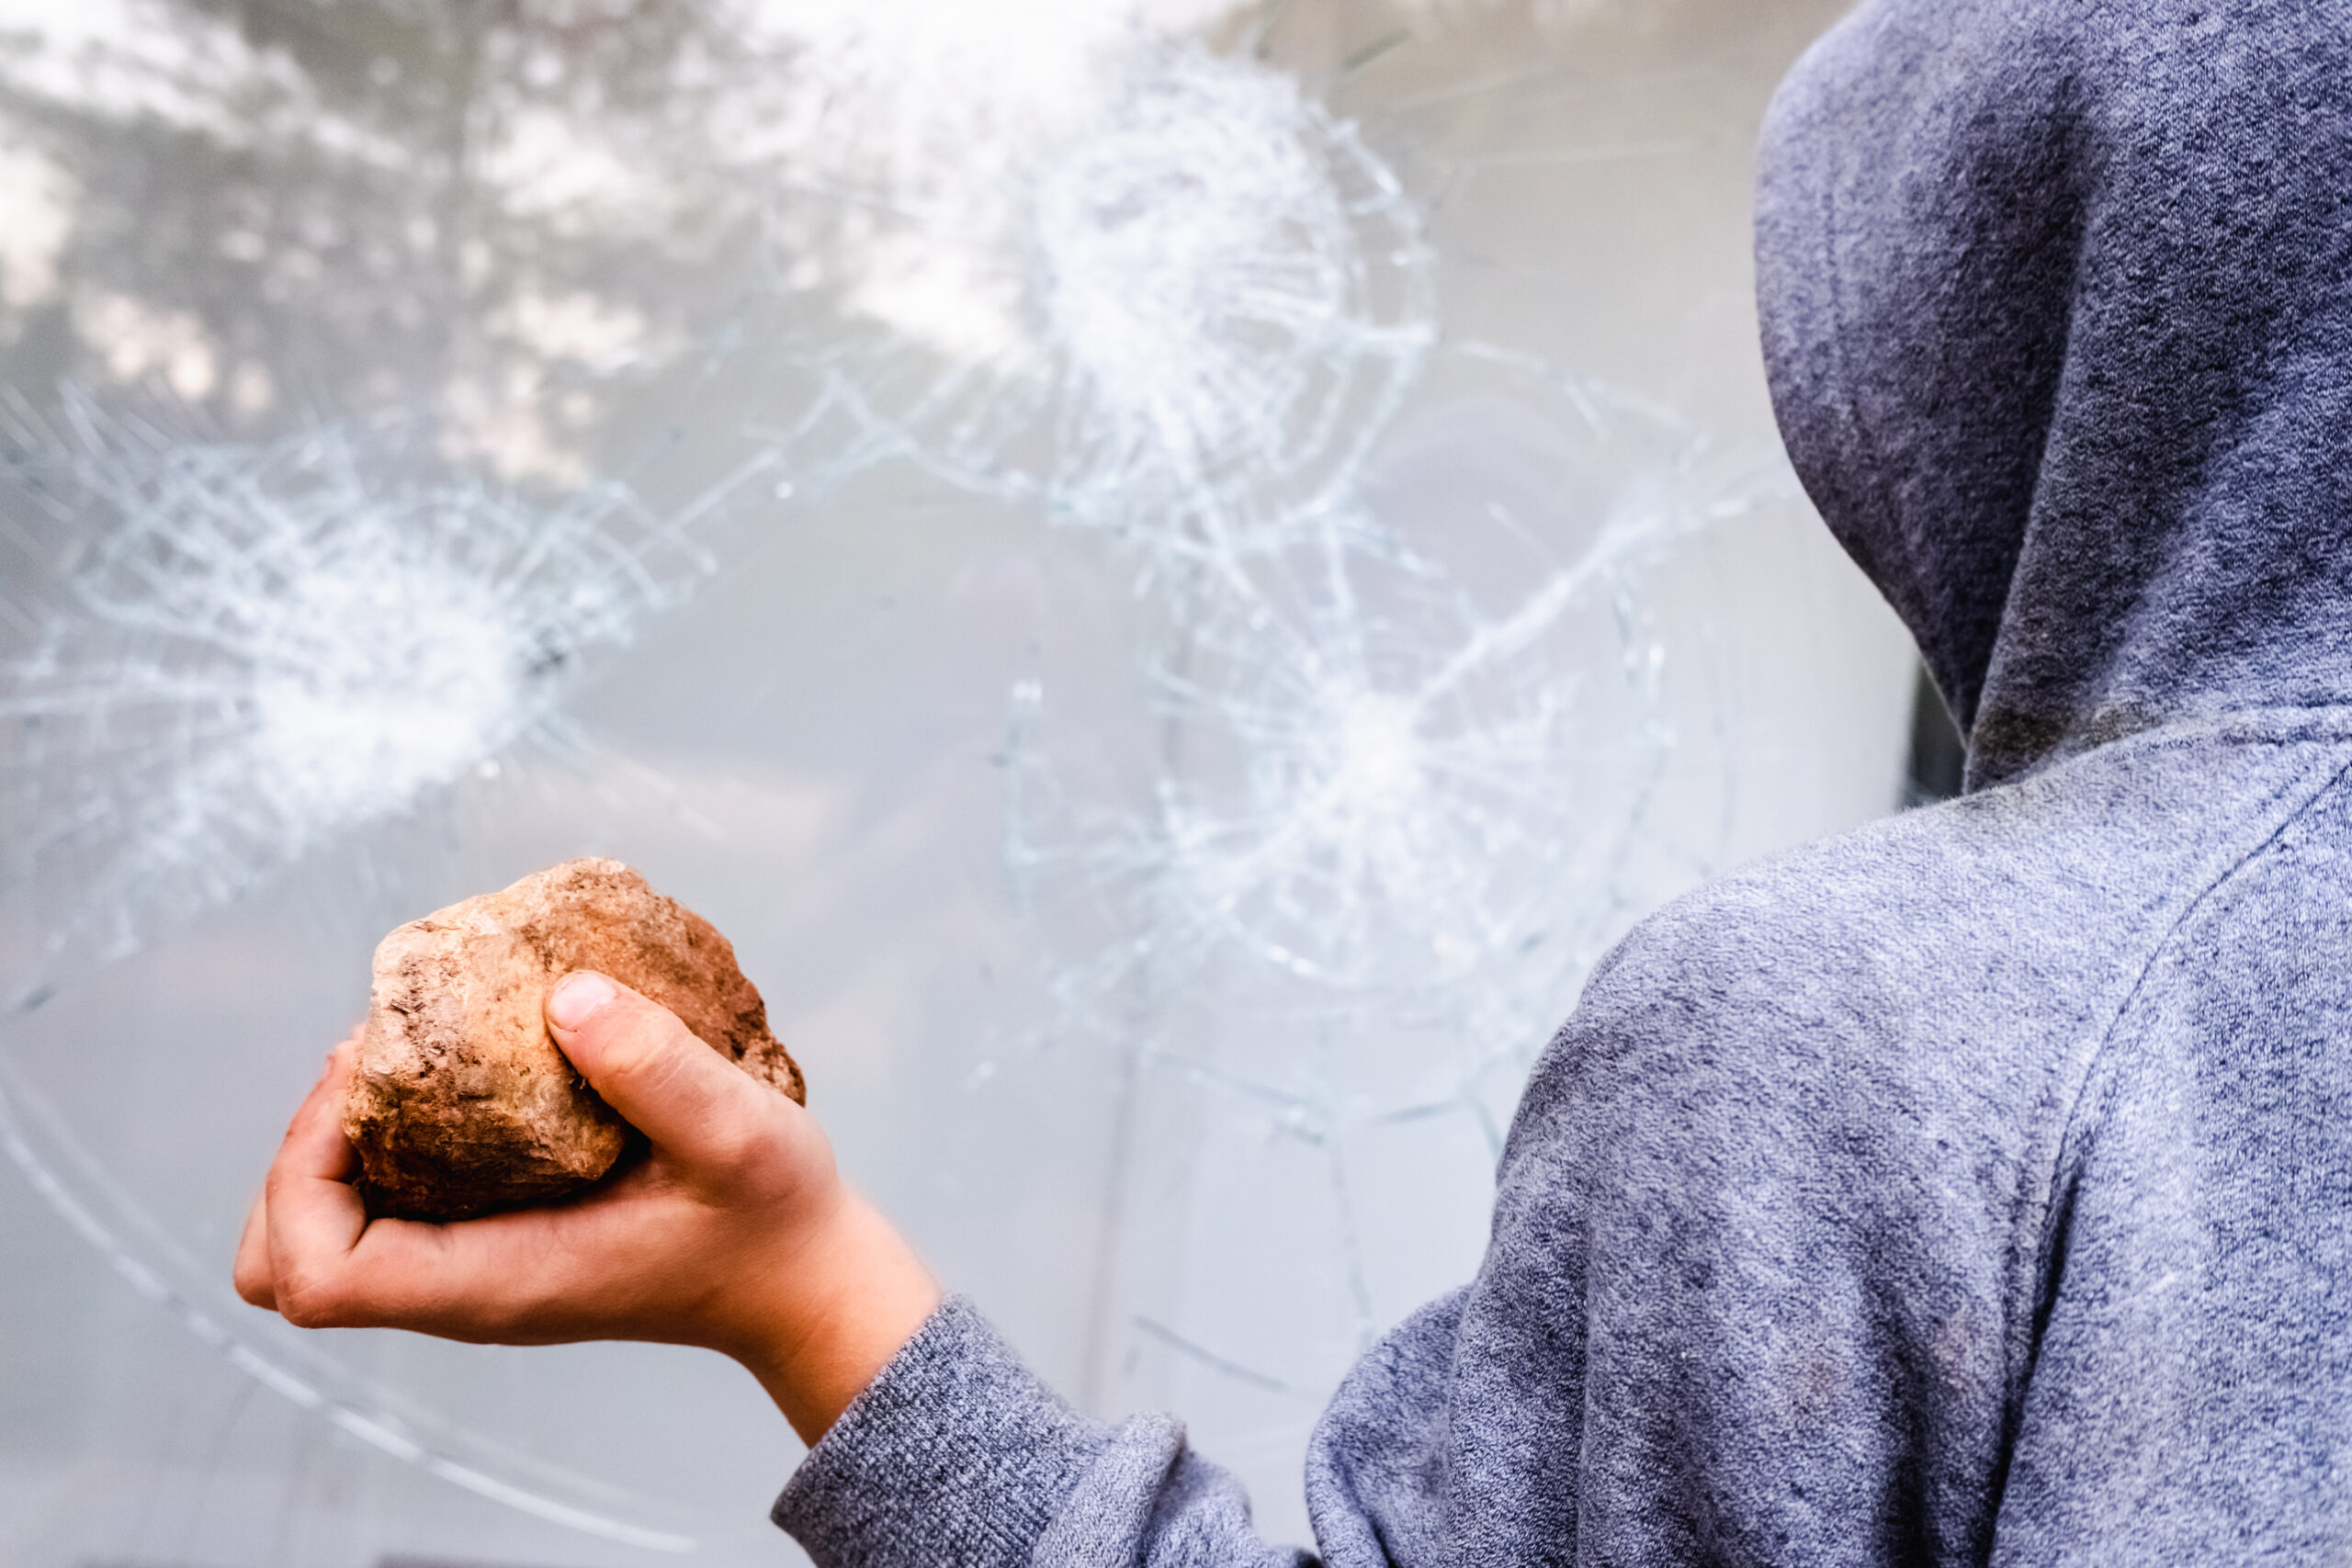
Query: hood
point(2056, 301)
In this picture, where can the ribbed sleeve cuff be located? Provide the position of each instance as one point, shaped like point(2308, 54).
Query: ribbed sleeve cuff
point(955, 1454)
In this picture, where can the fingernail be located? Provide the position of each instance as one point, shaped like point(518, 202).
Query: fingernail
point(575, 997)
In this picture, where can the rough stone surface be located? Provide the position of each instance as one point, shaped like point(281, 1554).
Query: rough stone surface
point(461, 1104)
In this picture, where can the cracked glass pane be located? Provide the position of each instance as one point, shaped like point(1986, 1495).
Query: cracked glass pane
point(1172, 573)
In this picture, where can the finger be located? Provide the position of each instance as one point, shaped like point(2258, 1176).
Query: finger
point(251, 1271)
point(467, 1280)
point(526, 1276)
point(324, 1264)
point(649, 1067)
point(313, 1215)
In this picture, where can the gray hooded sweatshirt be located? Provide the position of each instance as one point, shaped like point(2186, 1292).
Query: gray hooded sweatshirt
point(1975, 1187)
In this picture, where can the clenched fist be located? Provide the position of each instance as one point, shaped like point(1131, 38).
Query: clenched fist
point(734, 1232)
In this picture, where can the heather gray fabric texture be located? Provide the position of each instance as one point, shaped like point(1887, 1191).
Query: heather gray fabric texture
point(2057, 307)
point(1973, 1188)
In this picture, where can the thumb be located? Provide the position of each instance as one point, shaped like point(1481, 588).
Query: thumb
point(649, 1067)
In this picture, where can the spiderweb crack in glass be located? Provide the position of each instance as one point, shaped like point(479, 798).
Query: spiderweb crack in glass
point(904, 136)
point(1373, 783)
point(1221, 294)
point(261, 646)
point(1211, 271)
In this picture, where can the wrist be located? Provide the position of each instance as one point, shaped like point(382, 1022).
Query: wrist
point(831, 1311)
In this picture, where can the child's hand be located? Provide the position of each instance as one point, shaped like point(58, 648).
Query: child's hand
point(735, 1233)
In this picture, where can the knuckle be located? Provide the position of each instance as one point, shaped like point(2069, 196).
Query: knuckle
point(642, 1045)
point(633, 1059)
point(309, 1302)
point(257, 1293)
point(279, 1187)
point(734, 1143)
point(252, 1285)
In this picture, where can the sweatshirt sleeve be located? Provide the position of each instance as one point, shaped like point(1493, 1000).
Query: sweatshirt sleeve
point(958, 1454)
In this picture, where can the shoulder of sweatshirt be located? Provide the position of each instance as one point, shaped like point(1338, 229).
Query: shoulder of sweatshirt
point(1823, 1100)
point(1941, 979)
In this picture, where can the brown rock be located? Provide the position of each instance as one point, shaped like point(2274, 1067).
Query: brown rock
point(460, 1103)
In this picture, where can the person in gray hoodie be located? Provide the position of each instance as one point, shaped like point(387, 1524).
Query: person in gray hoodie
point(1973, 1188)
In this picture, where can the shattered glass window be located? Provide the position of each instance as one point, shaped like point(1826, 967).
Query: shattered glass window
point(1172, 572)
